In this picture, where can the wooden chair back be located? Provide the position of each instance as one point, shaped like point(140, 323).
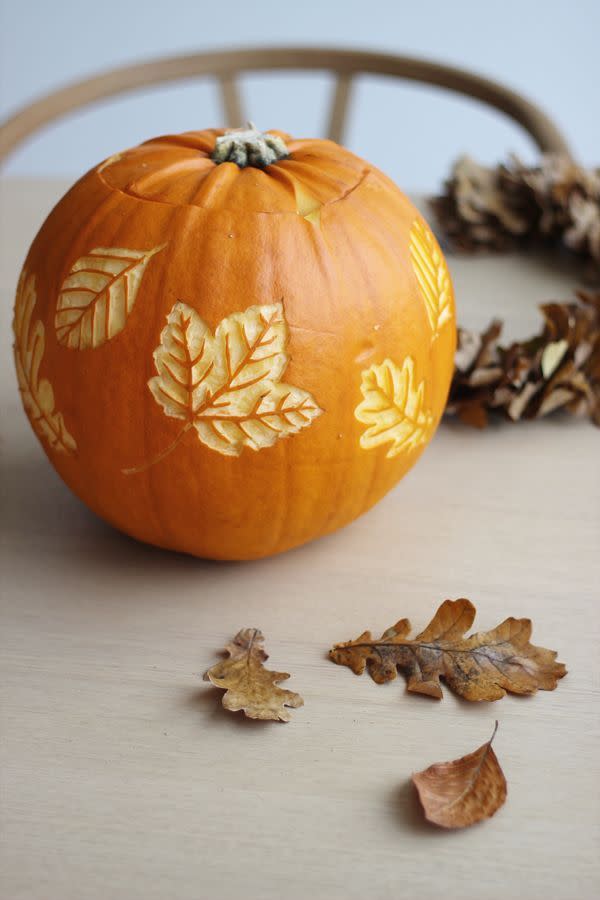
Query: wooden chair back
point(227, 67)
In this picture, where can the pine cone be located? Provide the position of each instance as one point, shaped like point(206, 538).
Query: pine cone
point(556, 369)
point(513, 205)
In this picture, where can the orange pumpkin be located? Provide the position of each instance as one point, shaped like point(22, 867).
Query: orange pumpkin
point(231, 343)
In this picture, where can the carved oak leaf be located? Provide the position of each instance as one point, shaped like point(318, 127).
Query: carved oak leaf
point(98, 294)
point(483, 666)
point(248, 685)
point(465, 791)
point(432, 274)
point(393, 407)
point(37, 393)
point(226, 386)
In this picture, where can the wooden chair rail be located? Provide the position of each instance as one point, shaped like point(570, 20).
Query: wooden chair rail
point(226, 66)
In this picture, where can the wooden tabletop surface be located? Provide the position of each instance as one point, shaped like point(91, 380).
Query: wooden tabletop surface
point(123, 777)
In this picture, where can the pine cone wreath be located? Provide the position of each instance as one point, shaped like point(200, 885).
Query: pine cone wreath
point(513, 205)
point(556, 369)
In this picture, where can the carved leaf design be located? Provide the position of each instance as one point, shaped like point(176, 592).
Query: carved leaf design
point(226, 386)
point(252, 344)
point(393, 407)
point(432, 274)
point(185, 361)
point(255, 420)
point(37, 393)
point(98, 294)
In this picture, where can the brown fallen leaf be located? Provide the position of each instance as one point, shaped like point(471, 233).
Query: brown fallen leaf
point(483, 666)
point(464, 791)
point(555, 203)
point(248, 685)
point(556, 369)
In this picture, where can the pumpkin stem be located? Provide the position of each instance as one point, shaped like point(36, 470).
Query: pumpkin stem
point(249, 147)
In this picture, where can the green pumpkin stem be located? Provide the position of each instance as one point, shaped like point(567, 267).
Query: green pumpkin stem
point(249, 147)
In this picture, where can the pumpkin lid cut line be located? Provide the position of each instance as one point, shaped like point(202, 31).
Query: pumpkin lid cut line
point(296, 213)
point(179, 175)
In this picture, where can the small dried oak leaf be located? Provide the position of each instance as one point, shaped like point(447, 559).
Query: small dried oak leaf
point(248, 685)
point(483, 666)
point(464, 791)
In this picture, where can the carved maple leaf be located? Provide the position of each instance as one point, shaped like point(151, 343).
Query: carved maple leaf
point(227, 386)
point(393, 407)
point(483, 666)
point(248, 685)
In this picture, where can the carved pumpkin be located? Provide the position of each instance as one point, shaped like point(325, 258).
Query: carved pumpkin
point(231, 343)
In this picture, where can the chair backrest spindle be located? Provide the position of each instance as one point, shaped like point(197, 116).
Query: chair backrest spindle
point(339, 107)
point(230, 98)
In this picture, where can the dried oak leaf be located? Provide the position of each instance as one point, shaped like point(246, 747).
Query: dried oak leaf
point(464, 791)
point(513, 205)
point(557, 368)
point(483, 666)
point(248, 685)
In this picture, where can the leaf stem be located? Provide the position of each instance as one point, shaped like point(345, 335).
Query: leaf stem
point(136, 469)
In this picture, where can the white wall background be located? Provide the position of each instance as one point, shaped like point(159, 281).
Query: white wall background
point(547, 49)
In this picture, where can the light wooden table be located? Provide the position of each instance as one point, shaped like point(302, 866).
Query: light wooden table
point(122, 776)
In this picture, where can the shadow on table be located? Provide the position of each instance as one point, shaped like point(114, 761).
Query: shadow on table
point(407, 811)
point(40, 513)
point(208, 700)
point(38, 508)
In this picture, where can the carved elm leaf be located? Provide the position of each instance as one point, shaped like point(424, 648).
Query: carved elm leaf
point(483, 666)
point(432, 274)
point(393, 407)
point(246, 682)
point(227, 386)
point(37, 393)
point(98, 294)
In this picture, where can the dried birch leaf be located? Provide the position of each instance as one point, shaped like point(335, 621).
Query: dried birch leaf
point(483, 666)
point(462, 792)
point(248, 685)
